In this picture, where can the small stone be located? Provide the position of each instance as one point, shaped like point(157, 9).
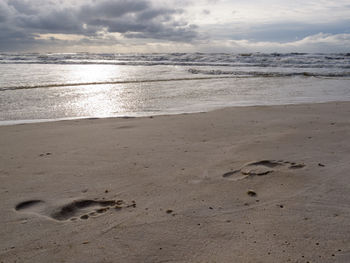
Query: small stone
point(169, 211)
point(321, 165)
point(251, 193)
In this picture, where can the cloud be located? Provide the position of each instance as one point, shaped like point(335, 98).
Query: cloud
point(318, 43)
point(177, 25)
point(5, 12)
point(281, 31)
point(132, 19)
point(23, 7)
point(206, 12)
point(291, 30)
point(112, 9)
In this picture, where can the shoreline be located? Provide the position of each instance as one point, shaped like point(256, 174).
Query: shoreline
point(34, 121)
point(242, 184)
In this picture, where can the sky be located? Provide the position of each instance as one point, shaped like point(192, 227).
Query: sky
point(174, 26)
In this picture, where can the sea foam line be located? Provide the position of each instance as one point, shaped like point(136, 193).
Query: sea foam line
point(111, 82)
point(217, 75)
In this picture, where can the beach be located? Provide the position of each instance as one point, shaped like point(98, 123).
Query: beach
point(240, 184)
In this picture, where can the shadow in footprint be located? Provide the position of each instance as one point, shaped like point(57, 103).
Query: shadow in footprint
point(28, 204)
point(268, 163)
point(82, 209)
point(228, 174)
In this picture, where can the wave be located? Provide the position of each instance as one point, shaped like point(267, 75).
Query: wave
point(215, 74)
point(165, 63)
point(268, 74)
point(282, 60)
point(106, 83)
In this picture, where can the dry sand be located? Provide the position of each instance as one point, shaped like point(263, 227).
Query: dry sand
point(254, 184)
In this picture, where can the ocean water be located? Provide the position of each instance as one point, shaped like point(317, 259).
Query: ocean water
point(41, 87)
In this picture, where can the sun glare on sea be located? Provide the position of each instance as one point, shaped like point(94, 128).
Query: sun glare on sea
point(100, 100)
point(94, 73)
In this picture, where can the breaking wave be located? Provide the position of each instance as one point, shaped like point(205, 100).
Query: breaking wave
point(288, 60)
point(268, 74)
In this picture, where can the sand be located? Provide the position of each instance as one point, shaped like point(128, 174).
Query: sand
point(246, 184)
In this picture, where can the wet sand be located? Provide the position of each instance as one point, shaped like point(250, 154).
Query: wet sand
point(245, 184)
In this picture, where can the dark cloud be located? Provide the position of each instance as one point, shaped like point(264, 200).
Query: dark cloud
point(12, 39)
point(24, 20)
point(164, 13)
point(57, 21)
point(113, 9)
point(178, 34)
point(5, 12)
point(23, 7)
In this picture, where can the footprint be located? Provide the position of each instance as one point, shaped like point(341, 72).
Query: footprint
point(83, 209)
point(261, 168)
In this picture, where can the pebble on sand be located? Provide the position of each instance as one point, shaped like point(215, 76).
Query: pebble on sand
point(251, 193)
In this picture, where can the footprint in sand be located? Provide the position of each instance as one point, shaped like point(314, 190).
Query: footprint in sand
point(78, 209)
point(261, 168)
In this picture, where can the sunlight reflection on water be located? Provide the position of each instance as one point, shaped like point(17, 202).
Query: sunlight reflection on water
point(95, 100)
point(93, 73)
point(149, 98)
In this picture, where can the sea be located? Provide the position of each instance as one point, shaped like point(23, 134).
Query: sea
point(37, 87)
